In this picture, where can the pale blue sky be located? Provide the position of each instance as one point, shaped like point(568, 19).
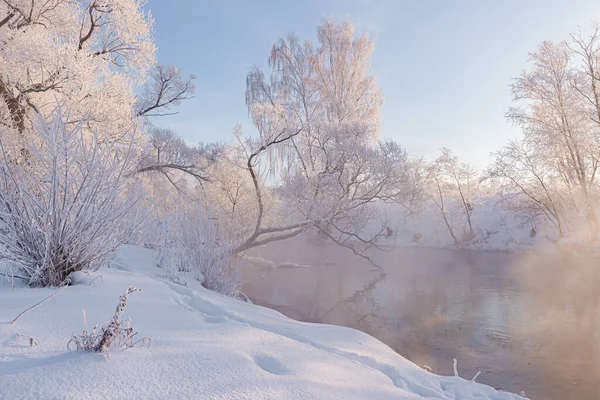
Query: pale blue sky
point(444, 66)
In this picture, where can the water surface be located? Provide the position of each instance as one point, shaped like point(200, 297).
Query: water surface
point(528, 322)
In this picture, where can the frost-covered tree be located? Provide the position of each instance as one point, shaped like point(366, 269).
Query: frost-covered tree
point(317, 118)
point(172, 158)
point(95, 59)
point(558, 121)
point(231, 193)
point(527, 185)
point(454, 189)
point(70, 206)
point(88, 55)
point(192, 242)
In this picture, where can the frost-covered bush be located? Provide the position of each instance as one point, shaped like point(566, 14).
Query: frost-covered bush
point(192, 242)
point(116, 334)
point(69, 205)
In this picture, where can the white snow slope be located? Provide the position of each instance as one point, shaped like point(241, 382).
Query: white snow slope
point(204, 346)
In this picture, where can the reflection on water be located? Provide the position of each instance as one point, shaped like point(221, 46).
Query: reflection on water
point(528, 322)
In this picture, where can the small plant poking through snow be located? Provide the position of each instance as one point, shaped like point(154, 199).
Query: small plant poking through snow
point(455, 367)
point(118, 334)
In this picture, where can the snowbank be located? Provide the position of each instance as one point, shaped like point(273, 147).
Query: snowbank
point(204, 346)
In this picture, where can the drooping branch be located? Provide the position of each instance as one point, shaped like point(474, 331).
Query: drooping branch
point(273, 238)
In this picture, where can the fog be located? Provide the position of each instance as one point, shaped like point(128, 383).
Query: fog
point(529, 322)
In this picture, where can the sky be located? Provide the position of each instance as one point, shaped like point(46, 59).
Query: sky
point(444, 66)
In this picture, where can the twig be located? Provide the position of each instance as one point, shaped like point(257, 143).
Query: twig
point(242, 296)
point(15, 276)
point(455, 367)
point(96, 277)
point(60, 289)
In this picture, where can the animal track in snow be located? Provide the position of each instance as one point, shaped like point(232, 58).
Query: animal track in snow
point(271, 364)
point(210, 319)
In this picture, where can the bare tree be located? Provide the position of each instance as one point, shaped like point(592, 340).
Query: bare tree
point(440, 200)
point(167, 153)
point(260, 234)
point(454, 182)
point(527, 182)
point(167, 88)
point(586, 82)
point(555, 123)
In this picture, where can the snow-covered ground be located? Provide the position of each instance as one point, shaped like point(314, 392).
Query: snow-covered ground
point(204, 346)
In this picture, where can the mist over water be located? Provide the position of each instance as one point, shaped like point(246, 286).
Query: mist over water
point(529, 322)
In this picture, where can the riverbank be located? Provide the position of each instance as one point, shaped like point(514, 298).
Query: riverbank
point(494, 229)
point(204, 345)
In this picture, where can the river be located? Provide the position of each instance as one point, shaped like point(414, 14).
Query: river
point(528, 322)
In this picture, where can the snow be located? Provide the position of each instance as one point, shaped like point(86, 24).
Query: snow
point(495, 229)
point(204, 345)
point(268, 264)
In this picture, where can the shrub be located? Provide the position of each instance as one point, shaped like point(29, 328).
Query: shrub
point(69, 205)
point(191, 242)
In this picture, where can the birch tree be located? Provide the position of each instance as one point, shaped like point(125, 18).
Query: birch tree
point(527, 184)
point(454, 188)
point(317, 118)
point(556, 122)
